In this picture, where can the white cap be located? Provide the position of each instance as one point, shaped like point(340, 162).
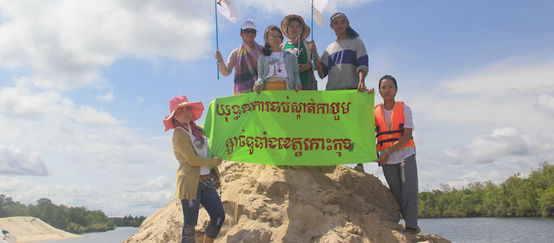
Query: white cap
point(248, 24)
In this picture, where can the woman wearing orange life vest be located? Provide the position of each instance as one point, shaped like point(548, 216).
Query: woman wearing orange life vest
point(393, 128)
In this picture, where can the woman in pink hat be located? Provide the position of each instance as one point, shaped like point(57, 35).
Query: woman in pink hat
point(194, 184)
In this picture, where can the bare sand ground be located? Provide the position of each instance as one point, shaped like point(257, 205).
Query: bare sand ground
point(30, 229)
point(292, 204)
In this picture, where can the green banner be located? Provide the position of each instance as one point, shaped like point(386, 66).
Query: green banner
point(313, 128)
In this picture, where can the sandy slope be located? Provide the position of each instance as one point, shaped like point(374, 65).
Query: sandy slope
point(292, 204)
point(29, 229)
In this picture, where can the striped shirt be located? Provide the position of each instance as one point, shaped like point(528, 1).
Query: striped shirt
point(342, 60)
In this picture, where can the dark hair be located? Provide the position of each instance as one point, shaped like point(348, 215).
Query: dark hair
point(350, 33)
point(389, 77)
point(267, 49)
point(293, 19)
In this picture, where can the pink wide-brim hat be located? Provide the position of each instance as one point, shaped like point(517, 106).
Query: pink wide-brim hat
point(178, 102)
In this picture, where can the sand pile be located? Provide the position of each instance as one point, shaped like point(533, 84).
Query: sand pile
point(292, 204)
point(29, 229)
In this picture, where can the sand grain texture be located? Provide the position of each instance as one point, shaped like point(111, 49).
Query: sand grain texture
point(30, 229)
point(292, 204)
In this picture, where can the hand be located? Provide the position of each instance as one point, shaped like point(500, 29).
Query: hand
point(311, 46)
point(297, 87)
point(304, 67)
point(370, 91)
point(218, 56)
point(383, 158)
point(257, 88)
point(361, 87)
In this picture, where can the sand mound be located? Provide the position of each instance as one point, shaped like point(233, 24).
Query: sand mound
point(29, 229)
point(292, 204)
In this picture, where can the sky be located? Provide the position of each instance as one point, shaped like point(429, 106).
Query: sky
point(84, 87)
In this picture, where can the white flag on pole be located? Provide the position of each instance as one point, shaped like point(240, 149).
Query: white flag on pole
point(319, 5)
point(227, 9)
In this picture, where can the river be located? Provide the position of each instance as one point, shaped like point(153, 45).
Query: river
point(491, 229)
point(462, 230)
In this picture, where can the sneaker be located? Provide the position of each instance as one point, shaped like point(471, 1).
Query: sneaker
point(413, 231)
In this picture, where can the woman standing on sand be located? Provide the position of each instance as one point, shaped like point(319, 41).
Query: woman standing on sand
point(277, 69)
point(393, 129)
point(194, 183)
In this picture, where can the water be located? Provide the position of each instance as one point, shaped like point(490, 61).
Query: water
point(117, 235)
point(490, 229)
point(462, 230)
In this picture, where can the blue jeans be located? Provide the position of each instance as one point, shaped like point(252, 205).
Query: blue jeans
point(210, 200)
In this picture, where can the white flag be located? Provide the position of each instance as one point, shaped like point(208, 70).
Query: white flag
point(319, 5)
point(227, 9)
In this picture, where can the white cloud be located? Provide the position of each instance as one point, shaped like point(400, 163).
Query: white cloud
point(14, 161)
point(500, 94)
point(54, 126)
point(513, 76)
point(299, 7)
point(90, 155)
point(106, 97)
point(503, 142)
point(63, 44)
point(545, 103)
point(88, 115)
point(486, 124)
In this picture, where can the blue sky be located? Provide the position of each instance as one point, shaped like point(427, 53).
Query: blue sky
point(84, 88)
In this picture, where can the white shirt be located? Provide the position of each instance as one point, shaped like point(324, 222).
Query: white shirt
point(200, 148)
point(277, 70)
point(398, 156)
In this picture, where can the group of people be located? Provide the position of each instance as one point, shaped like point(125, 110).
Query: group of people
point(290, 66)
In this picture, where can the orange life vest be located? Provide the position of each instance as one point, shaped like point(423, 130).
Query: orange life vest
point(386, 136)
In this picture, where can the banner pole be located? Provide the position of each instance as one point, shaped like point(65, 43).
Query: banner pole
point(216, 37)
point(313, 52)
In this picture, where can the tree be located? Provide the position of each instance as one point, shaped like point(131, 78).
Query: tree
point(517, 196)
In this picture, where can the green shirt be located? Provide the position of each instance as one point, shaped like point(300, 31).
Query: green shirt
point(302, 56)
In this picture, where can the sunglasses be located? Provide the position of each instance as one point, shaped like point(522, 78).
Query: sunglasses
point(249, 31)
point(271, 37)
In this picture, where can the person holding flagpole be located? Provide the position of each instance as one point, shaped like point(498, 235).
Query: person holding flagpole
point(297, 31)
point(243, 59)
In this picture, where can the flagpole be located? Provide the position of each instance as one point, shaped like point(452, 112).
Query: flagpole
point(216, 37)
point(313, 59)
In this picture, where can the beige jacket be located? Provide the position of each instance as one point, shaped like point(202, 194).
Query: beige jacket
point(188, 173)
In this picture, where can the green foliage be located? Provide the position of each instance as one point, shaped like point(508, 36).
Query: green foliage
point(533, 196)
point(128, 221)
point(73, 219)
